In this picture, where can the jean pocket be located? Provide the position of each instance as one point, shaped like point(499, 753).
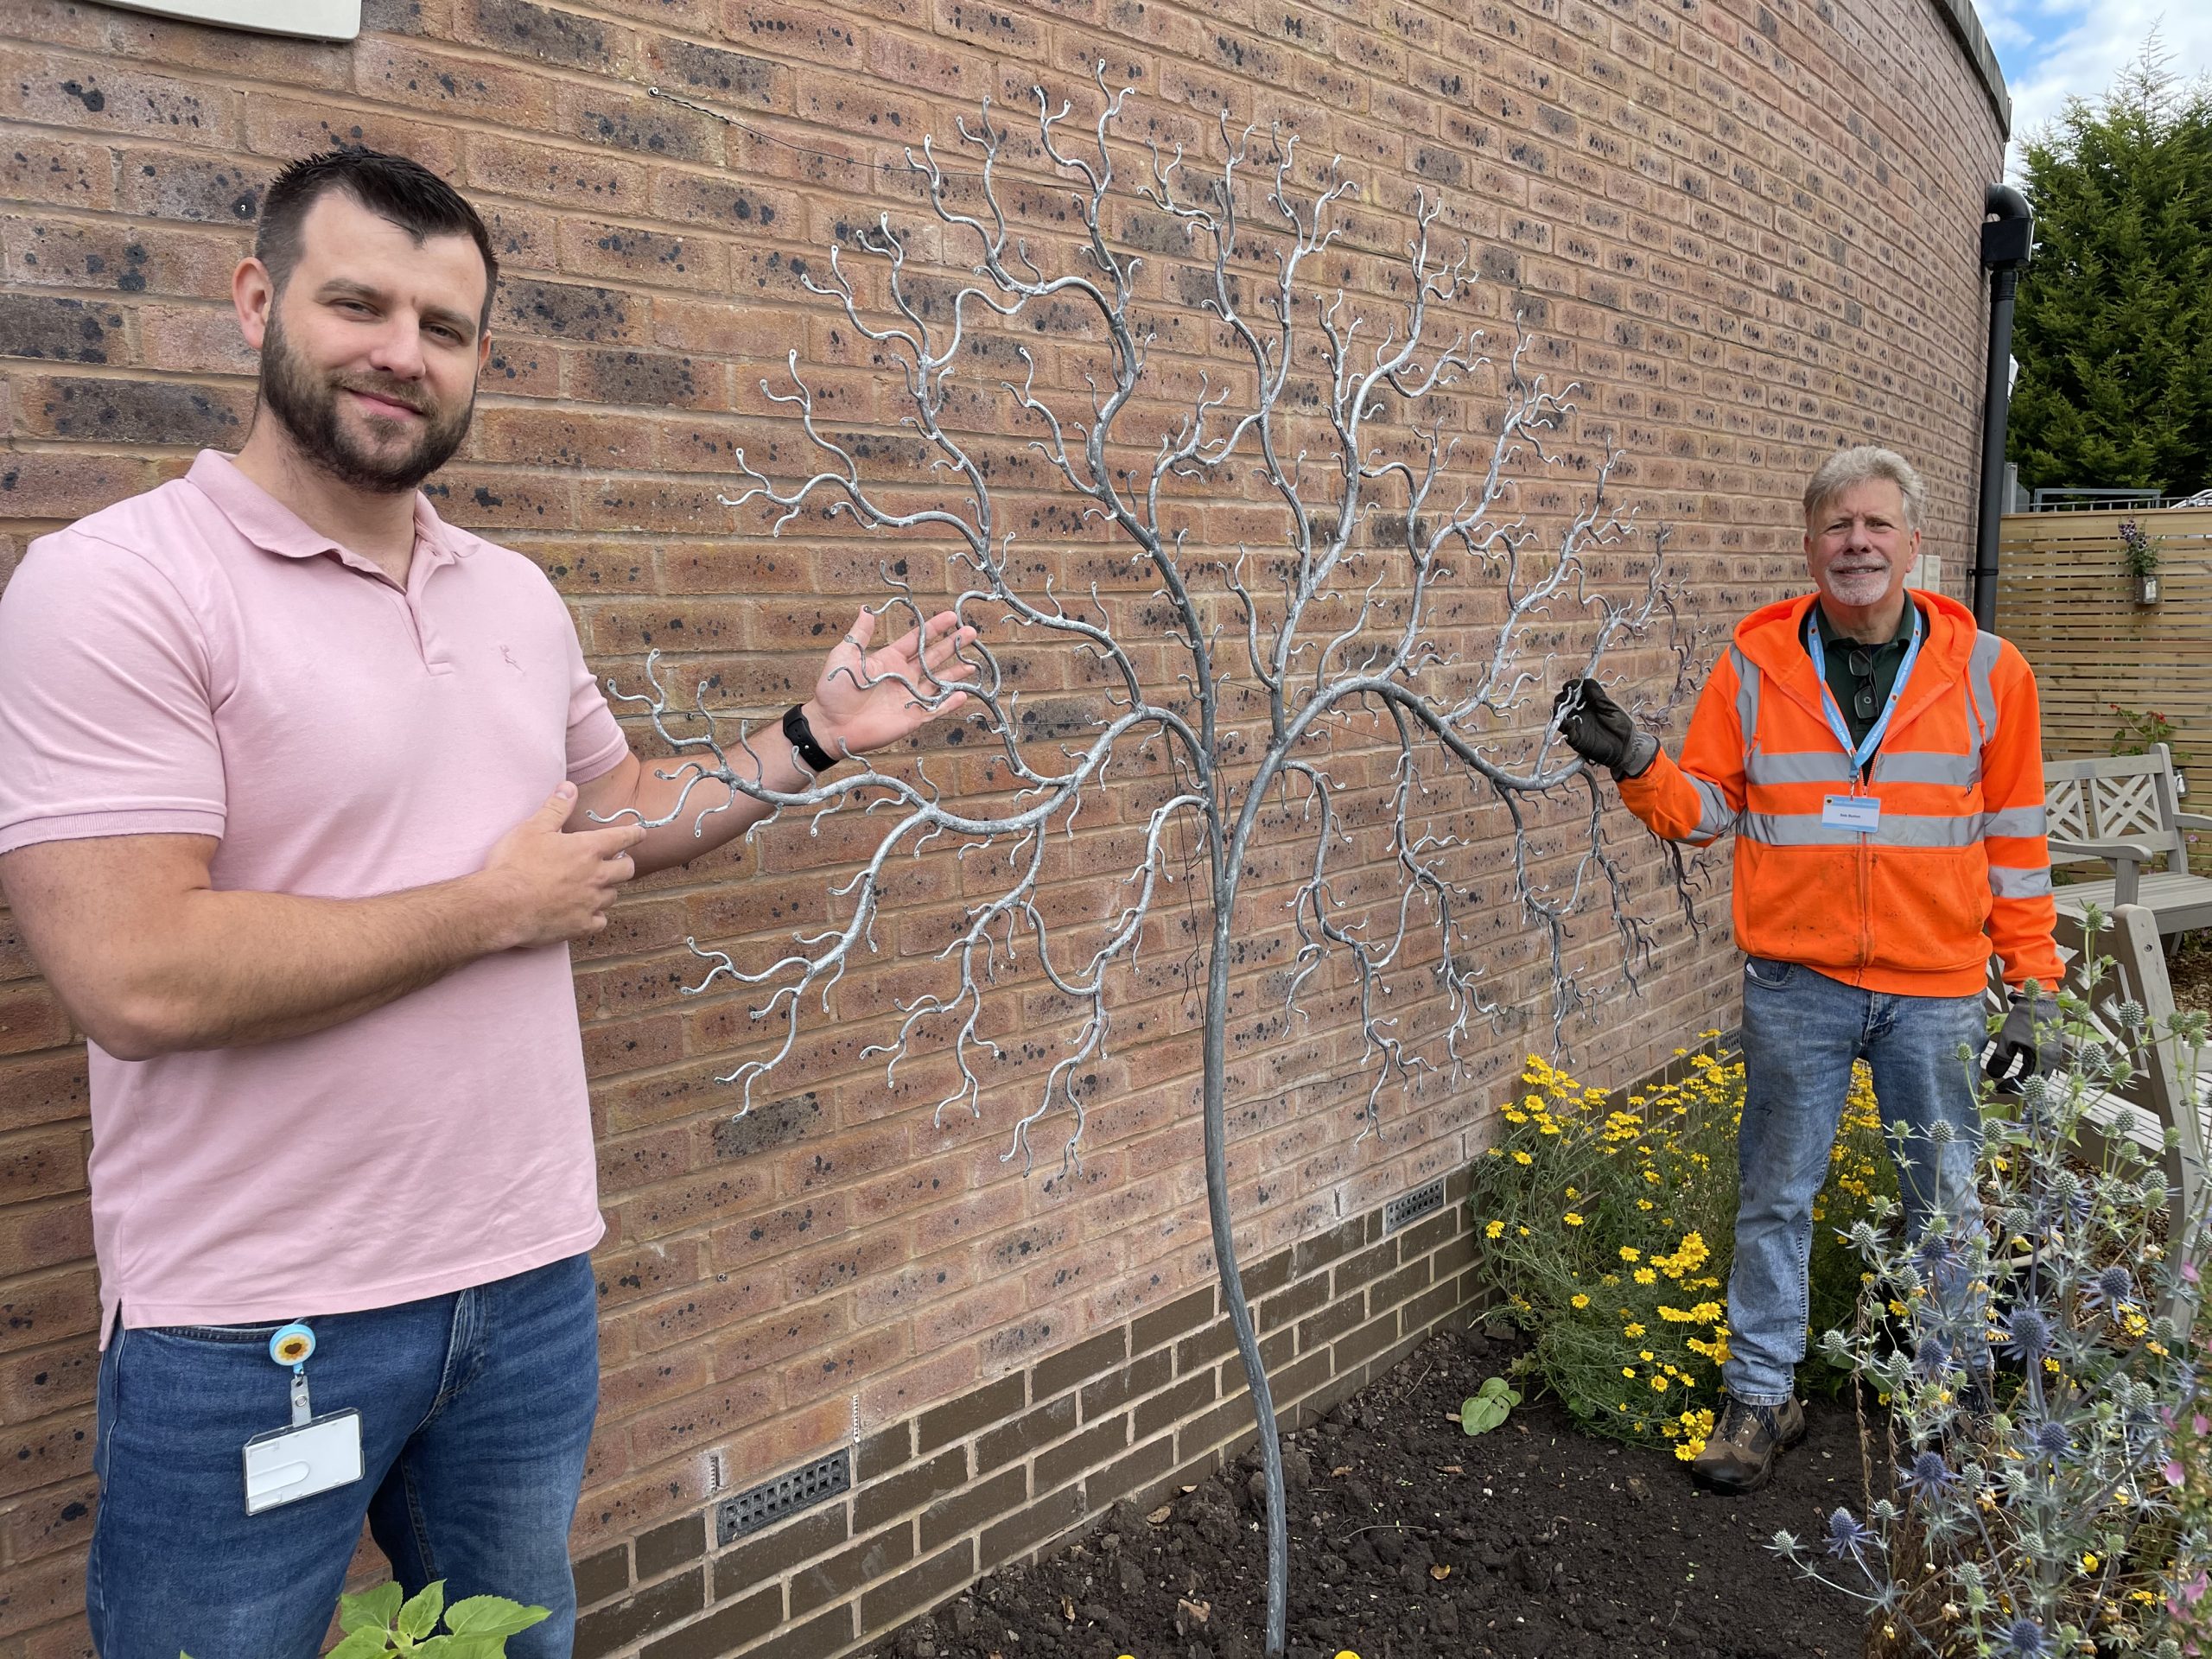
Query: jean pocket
point(1767, 974)
point(246, 1336)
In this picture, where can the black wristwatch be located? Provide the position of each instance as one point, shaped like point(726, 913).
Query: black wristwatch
point(811, 753)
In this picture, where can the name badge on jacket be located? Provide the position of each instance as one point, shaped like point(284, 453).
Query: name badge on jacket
point(1859, 812)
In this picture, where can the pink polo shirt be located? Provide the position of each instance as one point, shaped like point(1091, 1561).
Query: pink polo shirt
point(198, 661)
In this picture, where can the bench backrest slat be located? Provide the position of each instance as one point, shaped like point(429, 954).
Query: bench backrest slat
point(2117, 797)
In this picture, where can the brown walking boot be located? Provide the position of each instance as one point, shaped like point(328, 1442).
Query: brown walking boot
point(1738, 1455)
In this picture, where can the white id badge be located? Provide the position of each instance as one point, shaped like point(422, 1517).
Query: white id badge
point(287, 1464)
point(1860, 812)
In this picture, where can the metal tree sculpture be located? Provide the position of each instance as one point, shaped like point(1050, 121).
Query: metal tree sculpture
point(1334, 623)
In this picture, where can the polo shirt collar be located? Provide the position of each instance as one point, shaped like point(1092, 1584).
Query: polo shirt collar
point(271, 526)
point(1832, 636)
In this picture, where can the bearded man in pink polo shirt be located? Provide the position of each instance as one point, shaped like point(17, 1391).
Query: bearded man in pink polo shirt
point(303, 793)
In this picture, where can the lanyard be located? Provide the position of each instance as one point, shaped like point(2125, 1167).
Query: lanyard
point(1836, 724)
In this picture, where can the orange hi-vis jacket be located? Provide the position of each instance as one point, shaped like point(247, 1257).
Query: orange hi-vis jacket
point(1959, 863)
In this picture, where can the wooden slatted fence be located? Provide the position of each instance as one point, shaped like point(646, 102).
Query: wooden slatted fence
point(2065, 599)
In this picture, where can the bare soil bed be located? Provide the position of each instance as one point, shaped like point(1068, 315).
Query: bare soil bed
point(1411, 1539)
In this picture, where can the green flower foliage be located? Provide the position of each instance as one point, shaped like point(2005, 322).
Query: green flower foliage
point(1608, 1229)
point(384, 1620)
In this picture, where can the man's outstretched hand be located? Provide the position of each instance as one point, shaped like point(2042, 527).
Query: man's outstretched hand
point(867, 698)
point(1599, 730)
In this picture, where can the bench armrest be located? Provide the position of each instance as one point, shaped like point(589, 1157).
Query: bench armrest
point(2126, 858)
point(2193, 821)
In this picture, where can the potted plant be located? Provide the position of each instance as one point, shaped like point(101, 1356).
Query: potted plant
point(2140, 555)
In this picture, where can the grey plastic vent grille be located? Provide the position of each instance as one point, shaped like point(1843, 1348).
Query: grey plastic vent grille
point(772, 1500)
point(1410, 1207)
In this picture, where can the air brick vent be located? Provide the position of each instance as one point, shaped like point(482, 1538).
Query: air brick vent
point(786, 1494)
point(1410, 1207)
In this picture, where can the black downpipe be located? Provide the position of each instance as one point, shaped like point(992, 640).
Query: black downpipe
point(2007, 243)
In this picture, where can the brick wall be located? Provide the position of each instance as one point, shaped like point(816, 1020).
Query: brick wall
point(1748, 229)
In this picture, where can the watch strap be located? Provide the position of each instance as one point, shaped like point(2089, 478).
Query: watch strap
point(811, 753)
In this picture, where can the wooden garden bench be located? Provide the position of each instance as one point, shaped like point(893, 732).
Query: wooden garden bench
point(2123, 810)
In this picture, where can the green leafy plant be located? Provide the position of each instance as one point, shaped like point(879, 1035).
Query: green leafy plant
point(1608, 1226)
point(1486, 1408)
point(2138, 733)
point(379, 1621)
point(2140, 552)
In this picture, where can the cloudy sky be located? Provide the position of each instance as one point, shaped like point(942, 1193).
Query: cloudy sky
point(2053, 50)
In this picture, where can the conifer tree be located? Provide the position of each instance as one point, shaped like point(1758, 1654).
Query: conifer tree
point(2114, 327)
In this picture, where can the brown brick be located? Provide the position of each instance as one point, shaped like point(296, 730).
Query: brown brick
point(1163, 1324)
point(1025, 1434)
point(1070, 1458)
point(965, 1510)
point(1371, 1339)
point(753, 1562)
point(1364, 1268)
point(723, 1631)
point(158, 182)
point(1332, 1321)
point(1118, 1387)
point(1056, 1372)
point(919, 1587)
point(1174, 1405)
point(604, 1573)
point(840, 1575)
point(66, 330)
point(1309, 1254)
point(620, 1624)
point(666, 1547)
point(33, 168)
point(1125, 1476)
point(909, 1489)
point(883, 1452)
point(982, 1408)
point(133, 411)
point(1400, 1286)
point(819, 1638)
point(91, 96)
point(1296, 1302)
point(1024, 1530)
point(1200, 1350)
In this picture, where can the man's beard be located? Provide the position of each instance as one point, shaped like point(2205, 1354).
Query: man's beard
point(306, 405)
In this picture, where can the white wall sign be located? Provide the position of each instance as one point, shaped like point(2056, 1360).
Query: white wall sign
point(312, 20)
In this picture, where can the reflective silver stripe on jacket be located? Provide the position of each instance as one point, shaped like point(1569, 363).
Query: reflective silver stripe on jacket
point(1898, 829)
point(1715, 817)
point(1909, 766)
point(1982, 663)
point(2019, 883)
point(1747, 696)
point(2016, 820)
point(1798, 767)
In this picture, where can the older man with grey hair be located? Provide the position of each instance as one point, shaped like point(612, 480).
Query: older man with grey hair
point(1880, 761)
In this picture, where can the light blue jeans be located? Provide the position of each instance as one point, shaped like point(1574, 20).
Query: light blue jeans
point(475, 1407)
point(1801, 1032)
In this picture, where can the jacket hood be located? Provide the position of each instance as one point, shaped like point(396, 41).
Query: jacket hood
point(1773, 638)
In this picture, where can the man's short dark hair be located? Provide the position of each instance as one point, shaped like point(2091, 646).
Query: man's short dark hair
point(390, 187)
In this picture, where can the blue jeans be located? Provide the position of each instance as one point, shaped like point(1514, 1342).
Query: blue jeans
point(475, 1411)
point(1801, 1032)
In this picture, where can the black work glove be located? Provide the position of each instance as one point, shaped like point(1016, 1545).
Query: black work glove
point(2029, 1039)
point(1598, 729)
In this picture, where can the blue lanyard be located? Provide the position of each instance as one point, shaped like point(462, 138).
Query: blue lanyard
point(1819, 654)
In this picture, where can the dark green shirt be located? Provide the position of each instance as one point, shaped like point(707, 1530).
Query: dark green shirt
point(1854, 670)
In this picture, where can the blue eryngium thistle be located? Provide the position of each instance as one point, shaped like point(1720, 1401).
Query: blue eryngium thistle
point(1845, 1536)
point(2025, 1640)
point(1926, 1476)
point(2048, 1440)
point(2115, 1284)
point(2028, 1334)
